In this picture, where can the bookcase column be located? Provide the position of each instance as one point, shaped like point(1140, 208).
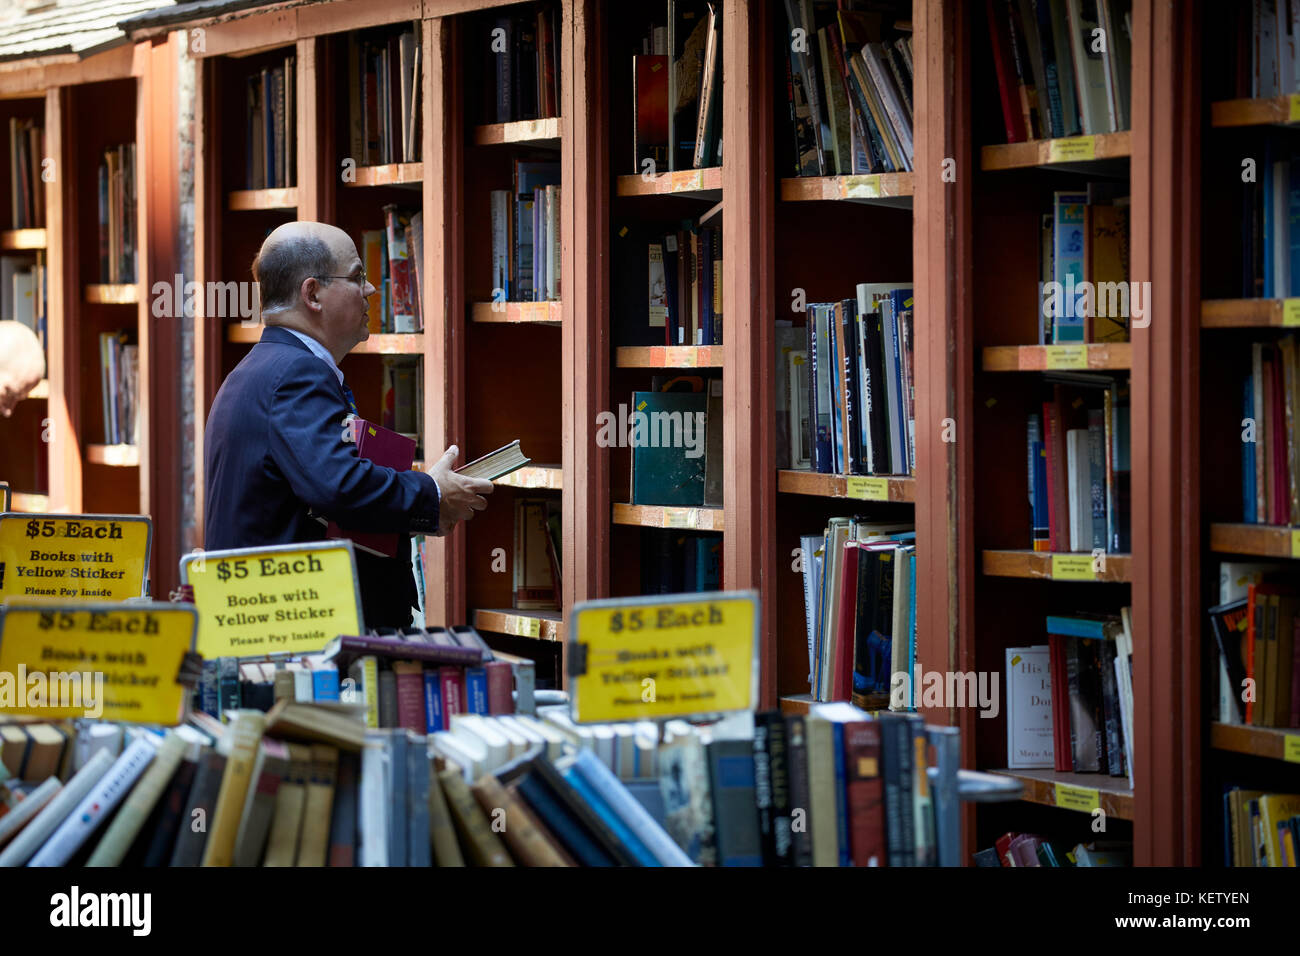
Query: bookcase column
point(584, 281)
point(315, 130)
point(748, 215)
point(1165, 497)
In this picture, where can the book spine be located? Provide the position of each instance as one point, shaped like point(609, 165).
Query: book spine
point(500, 683)
point(476, 690)
point(246, 735)
point(117, 839)
point(629, 810)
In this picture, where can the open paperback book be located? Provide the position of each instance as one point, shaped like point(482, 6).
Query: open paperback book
point(496, 464)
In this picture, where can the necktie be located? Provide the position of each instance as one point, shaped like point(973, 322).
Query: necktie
point(349, 398)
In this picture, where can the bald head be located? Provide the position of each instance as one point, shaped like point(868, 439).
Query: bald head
point(293, 252)
point(22, 364)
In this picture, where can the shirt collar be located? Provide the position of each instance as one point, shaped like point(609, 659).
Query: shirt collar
point(319, 351)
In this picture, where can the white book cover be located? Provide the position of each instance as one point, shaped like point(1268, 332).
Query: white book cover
point(56, 811)
point(373, 815)
point(1079, 475)
point(1029, 708)
point(797, 386)
point(98, 804)
point(1089, 71)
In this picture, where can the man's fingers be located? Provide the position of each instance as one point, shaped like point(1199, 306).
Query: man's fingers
point(478, 503)
point(449, 456)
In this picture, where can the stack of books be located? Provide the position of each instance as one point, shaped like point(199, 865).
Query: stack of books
point(526, 235)
point(1269, 462)
point(677, 91)
point(1261, 828)
point(859, 582)
point(22, 291)
point(1079, 466)
point(1254, 629)
point(525, 65)
point(1083, 264)
point(850, 392)
point(119, 382)
point(117, 226)
point(26, 188)
point(1070, 702)
point(1032, 849)
point(270, 149)
point(1063, 66)
point(1261, 39)
point(393, 258)
point(384, 97)
point(849, 88)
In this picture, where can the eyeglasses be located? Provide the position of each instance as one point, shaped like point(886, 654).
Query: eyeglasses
point(360, 280)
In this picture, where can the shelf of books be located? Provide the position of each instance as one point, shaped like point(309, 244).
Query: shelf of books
point(252, 200)
point(899, 488)
point(388, 174)
point(1250, 514)
point(540, 313)
point(543, 625)
point(24, 277)
point(669, 356)
point(1050, 228)
point(543, 132)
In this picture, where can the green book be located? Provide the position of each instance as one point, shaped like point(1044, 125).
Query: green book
point(667, 435)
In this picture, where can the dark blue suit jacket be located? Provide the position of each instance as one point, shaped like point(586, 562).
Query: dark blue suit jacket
point(274, 447)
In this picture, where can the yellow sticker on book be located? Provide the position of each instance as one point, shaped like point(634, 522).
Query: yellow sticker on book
point(279, 599)
point(680, 518)
point(1072, 567)
point(1075, 149)
point(1293, 108)
point(860, 187)
point(1066, 356)
point(1291, 748)
point(679, 655)
point(74, 557)
point(527, 627)
point(689, 182)
point(1291, 312)
point(867, 489)
point(1083, 799)
point(1295, 544)
point(115, 661)
point(688, 357)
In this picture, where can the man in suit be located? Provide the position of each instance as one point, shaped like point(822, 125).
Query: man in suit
point(276, 448)
point(22, 364)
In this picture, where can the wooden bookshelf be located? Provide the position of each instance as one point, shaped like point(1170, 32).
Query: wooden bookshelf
point(687, 183)
point(1260, 540)
point(392, 174)
point(542, 625)
point(898, 488)
point(667, 516)
point(1047, 566)
point(1074, 791)
point(22, 239)
point(534, 477)
point(1265, 111)
point(379, 343)
point(888, 189)
point(1042, 358)
point(118, 456)
point(670, 356)
point(1274, 743)
point(543, 133)
point(1249, 313)
point(29, 503)
point(98, 293)
point(247, 200)
point(796, 703)
point(540, 313)
point(1075, 152)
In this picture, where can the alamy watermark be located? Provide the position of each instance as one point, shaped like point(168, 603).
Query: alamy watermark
point(657, 429)
point(945, 689)
point(218, 300)
point(62, 690)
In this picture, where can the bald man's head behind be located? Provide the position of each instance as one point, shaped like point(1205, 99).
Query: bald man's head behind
point(22, 364)
point(311, 279)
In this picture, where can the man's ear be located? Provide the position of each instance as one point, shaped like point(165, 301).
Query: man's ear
point(309, 292)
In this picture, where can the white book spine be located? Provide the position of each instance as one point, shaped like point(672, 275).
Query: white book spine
point(374, 804)
point(630, 810)
point(97, 804)
point(47, 821)
point(17, 818)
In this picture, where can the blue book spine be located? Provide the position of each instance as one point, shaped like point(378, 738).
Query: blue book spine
point(325, 684)
point(432, 702)
point(559, 820)
point(1293, 224)
point(1076, 627)
point(611, 819)
point(837, 423)
point(900, 301)
point(476, 690)
point(841, 797)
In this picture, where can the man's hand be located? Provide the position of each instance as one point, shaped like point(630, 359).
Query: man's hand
point(460, 496)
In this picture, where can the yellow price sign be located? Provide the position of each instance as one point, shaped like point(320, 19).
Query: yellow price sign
point(1067, 356)
point(1075, 149)
point(1295, 544)
point(1293, 108)
point(1083, 799)
point(867, 489)
point(293, 598)
point(116, 661)
point(1290, 312)
point(672, 656)
point(74, 557)
point(1291, 748)
point(528, 627)
point(1072, 567)
point(860, 187)
point(680, 517)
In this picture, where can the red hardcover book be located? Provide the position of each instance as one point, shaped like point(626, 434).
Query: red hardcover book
point(1058, 498)
point(650, 100)
point(1060, 704)
point(409, 677)
point(864, 793)
point(500, 687)
point(1008, 88)
point(842, 676)
point(1004, 847)
point(451, 680)
point(1295, 676)
point(392, 450)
